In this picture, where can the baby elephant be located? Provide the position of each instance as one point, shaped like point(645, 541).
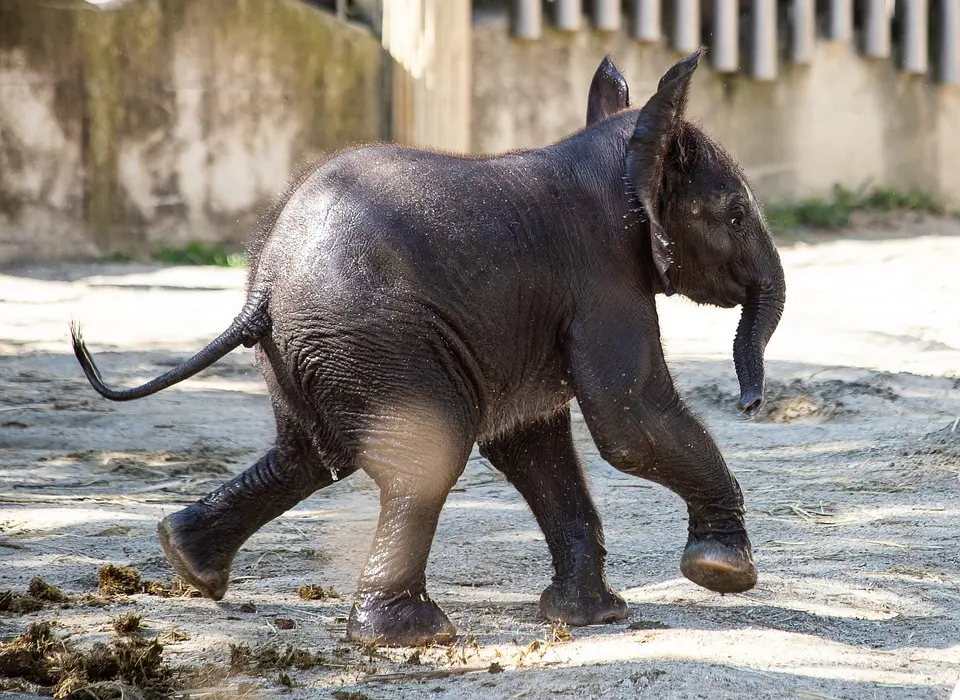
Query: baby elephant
point(405, 305)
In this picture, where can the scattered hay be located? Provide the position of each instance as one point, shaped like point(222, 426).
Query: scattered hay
point(313, 591)
point(38, 657)
point(240, 658)
point(141, 663)
point(270, 659)
point(125, 580)
point(127, 624)
point(560, 633)
point(174, 636)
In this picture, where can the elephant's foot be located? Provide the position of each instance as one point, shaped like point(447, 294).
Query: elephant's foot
point(579, 603)
point(198, 552)
point(718, 566)
point(405, 620)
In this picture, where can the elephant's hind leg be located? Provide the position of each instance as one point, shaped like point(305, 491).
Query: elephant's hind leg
point(201, 540)
point(540, 460)
point(415, 458)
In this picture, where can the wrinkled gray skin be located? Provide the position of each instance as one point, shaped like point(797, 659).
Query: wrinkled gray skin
point(405, 305)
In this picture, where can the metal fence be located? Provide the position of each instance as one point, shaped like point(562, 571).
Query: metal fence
point(923, 36)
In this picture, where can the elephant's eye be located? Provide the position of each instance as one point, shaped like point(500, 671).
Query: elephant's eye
point(735, 217)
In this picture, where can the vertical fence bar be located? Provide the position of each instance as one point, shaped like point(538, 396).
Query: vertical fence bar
point(646, 20)
point(876, 33)
point(840, 27)
point(686, 25)
point(949, 42)
point(763, 63)
point(566, 14)
point(915, 37)
point(527, 19)
point(726, 39)
point(803, 31)
point(606, 15)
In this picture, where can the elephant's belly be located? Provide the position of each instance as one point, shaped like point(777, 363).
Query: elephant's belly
point(534, 400)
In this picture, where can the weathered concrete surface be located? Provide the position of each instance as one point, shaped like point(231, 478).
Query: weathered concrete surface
point(167, 121)
point(843, 119)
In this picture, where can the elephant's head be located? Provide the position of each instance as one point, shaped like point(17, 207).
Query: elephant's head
point(707, 233)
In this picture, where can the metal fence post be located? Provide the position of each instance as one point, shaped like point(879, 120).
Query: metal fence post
point(803, 31)
point(606, 15)
point(686, 25)
point(527, 19)
point(950, 42)
point(763, 64)
point(841, 20)
point(915, 37)
point(876, 33)
point(646, 20)
point(726, 36)
point(566, 14)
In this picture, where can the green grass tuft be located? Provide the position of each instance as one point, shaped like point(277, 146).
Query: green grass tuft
point(197, 253)
point(836, 212)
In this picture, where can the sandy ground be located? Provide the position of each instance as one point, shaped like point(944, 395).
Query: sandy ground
point(850, 475)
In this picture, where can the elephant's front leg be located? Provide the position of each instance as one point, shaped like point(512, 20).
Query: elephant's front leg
point(540, 460)
point(641, 427)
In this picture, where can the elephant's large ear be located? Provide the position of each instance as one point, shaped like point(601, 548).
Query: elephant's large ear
point(608, 92)
point(647, 152)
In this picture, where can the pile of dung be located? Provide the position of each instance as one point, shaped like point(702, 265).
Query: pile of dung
point(38, 594)
point(314, 591)
point(129, 667)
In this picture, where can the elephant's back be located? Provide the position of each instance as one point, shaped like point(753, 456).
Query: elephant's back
point(386, 218)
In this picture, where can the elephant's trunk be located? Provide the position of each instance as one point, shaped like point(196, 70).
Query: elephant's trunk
point(761, 314)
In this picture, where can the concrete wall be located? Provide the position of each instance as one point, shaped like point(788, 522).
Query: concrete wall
point(843, 119)
point(167, 120)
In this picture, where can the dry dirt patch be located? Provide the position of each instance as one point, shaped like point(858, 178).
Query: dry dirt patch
point(850, 476)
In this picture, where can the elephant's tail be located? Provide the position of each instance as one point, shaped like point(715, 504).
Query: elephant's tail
point(248, 328)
